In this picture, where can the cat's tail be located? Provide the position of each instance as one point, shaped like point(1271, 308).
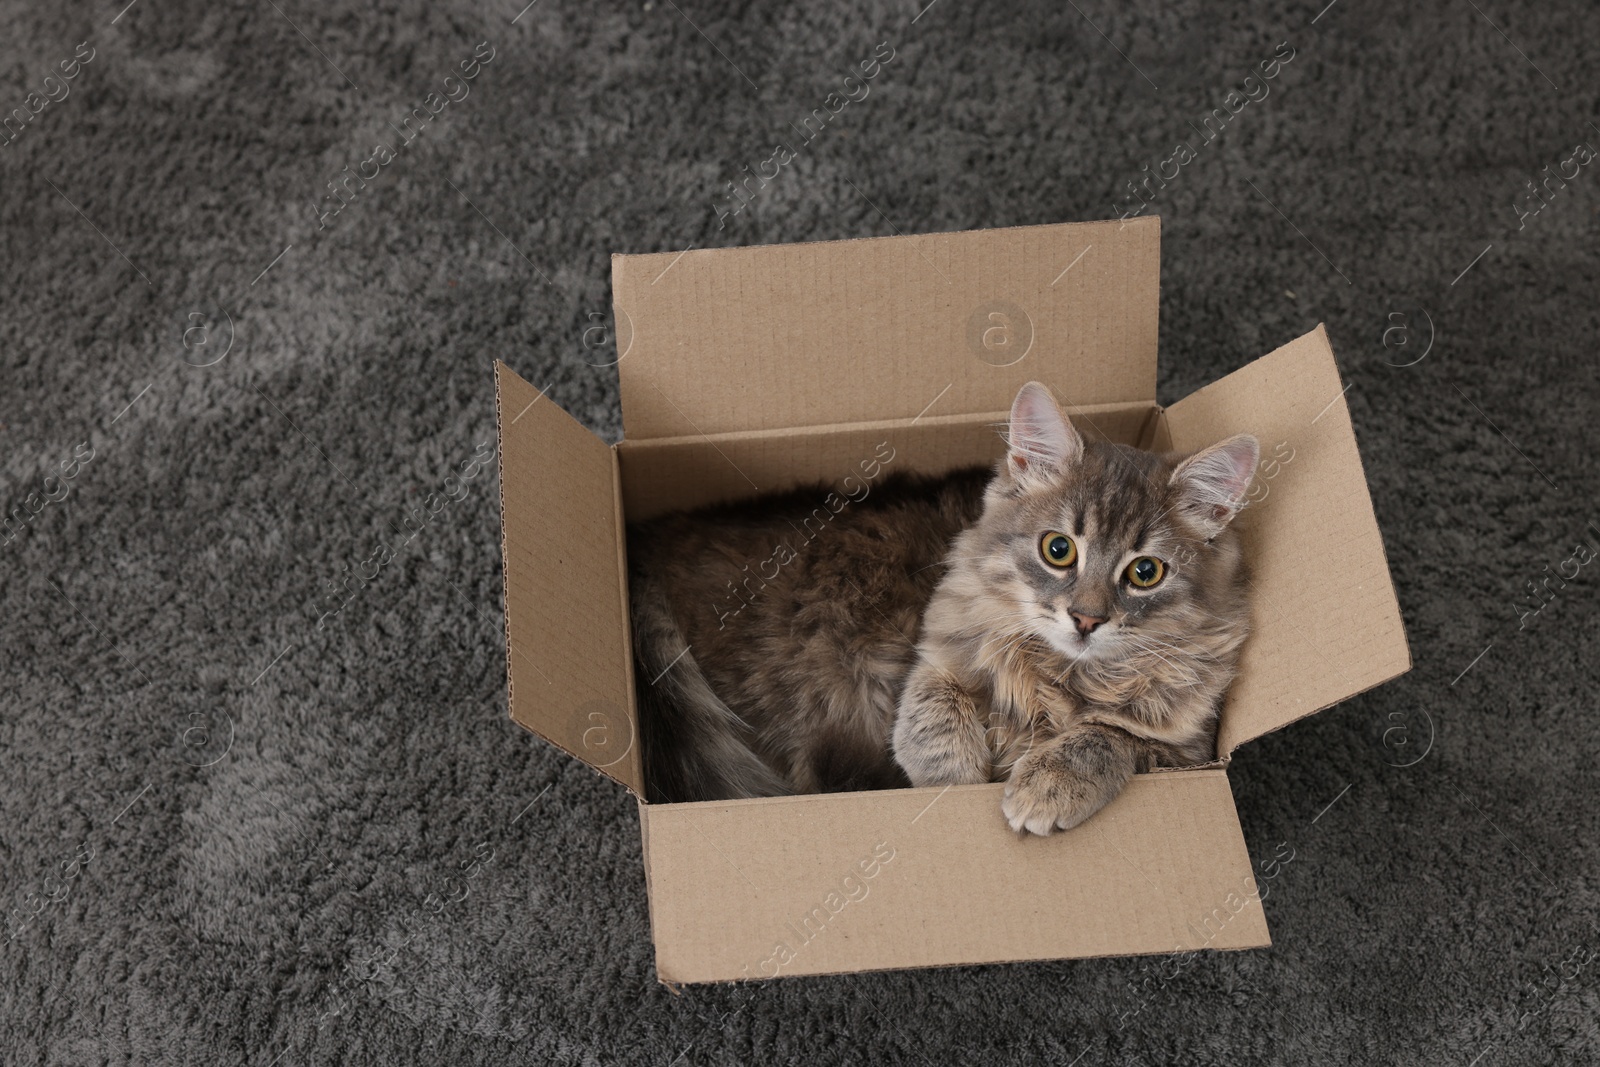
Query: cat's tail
point(695, 747)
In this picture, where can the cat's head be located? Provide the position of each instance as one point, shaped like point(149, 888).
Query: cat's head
point(1103, 551)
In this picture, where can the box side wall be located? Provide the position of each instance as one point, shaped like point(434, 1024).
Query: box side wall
point(775, 336)
point(684, 472)
point(1326, 623)
point(566, 620)
point(927, 877)
point(634, 755)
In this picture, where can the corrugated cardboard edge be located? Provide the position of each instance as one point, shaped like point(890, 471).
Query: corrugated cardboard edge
point(677, 985)
point(505, 572)
point(997, 419)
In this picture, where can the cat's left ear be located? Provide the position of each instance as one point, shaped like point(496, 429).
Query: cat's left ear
point(1040, 442)
point(1212, 483)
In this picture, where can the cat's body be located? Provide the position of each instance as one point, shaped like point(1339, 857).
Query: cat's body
point(982, 626)
point(800, 619)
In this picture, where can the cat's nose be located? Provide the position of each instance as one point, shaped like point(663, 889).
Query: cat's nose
point(1086, 623)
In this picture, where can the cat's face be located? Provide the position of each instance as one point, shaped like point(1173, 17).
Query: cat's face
point(1106, 552)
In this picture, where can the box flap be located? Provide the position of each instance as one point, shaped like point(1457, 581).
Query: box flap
point(847, 882)
point(715, 340)
point(1326, 621)
point(568, 659)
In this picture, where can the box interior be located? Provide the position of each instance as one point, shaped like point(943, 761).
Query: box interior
point(666, 474)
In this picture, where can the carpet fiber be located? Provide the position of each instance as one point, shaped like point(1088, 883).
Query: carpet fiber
point(248, 819)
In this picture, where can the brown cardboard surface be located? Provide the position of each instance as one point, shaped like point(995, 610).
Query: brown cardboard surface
point(683, 472)
point(749, 370)
point(567, 657)
point(717, 340)
point(1327, 624)
point(1163, 868)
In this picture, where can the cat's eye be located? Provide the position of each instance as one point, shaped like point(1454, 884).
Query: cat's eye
point(1146, 571)
point(1058, 549)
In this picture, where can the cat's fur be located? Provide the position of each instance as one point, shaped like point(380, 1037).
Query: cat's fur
point(921, 637)
point(1009, 686)
point(802, 623)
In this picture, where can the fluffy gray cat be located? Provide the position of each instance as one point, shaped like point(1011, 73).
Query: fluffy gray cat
point(1057, 623)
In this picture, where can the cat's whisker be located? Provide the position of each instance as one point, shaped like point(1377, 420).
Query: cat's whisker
point(949, 560)
point(1150, 648)
point(1163, 644)
point(1141, 641)
point(1188, 639)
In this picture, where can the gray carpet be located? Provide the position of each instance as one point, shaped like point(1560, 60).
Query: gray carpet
point(240, 827)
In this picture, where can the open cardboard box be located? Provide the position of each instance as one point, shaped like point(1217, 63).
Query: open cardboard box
point(762, 368)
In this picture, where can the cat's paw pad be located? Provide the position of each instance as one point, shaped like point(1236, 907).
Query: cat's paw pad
point(1042, 802)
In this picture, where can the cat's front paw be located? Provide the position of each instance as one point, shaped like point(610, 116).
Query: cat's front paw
point(1045, 796)
point(938, 734)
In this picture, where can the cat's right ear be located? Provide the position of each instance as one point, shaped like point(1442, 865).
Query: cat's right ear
point(1040, 442)
point(1212, 483)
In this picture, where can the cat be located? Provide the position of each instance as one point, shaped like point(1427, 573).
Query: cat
point(1088, 624)
point(1058, 622)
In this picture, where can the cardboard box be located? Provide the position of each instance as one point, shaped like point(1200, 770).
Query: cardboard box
point(756, 369)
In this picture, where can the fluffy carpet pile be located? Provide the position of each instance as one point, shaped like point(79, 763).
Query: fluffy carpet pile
point(258, 259)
